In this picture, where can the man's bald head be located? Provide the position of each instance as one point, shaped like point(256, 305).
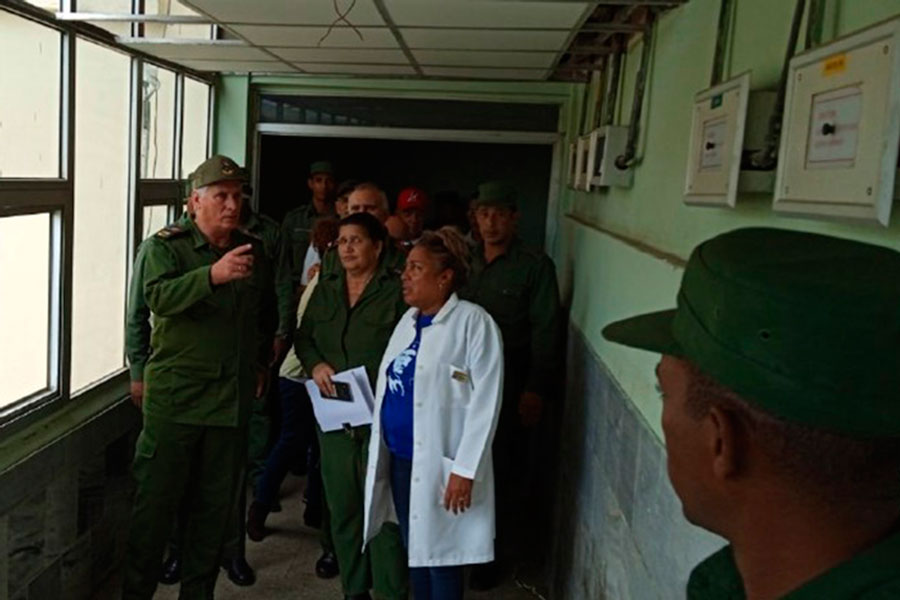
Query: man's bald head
point(368, 197)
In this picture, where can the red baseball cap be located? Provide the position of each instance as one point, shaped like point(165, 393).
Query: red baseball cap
point(411, 198)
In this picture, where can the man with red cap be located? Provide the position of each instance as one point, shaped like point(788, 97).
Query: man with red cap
point(411, 205)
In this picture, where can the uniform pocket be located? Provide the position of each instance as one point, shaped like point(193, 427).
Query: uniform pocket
point(458, 386)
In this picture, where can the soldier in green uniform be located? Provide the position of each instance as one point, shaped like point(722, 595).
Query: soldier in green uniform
point(295, 237)
point(209, 288)
point(347, 323)
point(518, 287)
point(779, 379)
point(259, 428)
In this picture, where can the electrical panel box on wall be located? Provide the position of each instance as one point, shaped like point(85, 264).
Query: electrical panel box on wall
point(717, 141)
point(581, 157)
point(728, 122)
point(604, 145)
point(841, 128)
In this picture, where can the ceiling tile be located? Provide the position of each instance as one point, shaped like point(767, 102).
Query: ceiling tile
point(358, 69)
point(285, 12)
point(462, 39)
point(197, 51)
point(238, 66)
point(341, 55)
point(463, 73)
point(464, 58)
point(480, 13)
point(340, 37)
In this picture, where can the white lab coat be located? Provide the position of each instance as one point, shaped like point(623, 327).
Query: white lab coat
point(456, 405)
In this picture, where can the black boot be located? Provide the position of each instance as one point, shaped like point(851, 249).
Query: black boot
point(327, 566)
point(171, 571)
point(239, 572)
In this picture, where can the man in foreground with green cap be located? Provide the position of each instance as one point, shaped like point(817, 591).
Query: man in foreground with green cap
point(780, 381)
point(208, 286)
point(518, 287)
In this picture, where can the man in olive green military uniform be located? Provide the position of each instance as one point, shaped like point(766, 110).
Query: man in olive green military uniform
point(780, 383)
point(296, 230)
point(518, 287)
point(208, 286)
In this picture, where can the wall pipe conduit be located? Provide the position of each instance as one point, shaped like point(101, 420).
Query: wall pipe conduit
point(624, 161)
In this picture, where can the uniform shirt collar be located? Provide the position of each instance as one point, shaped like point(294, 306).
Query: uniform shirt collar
point(446, 309)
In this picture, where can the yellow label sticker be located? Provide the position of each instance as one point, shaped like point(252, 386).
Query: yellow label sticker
point(834, 65)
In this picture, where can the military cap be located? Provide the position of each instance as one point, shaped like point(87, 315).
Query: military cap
point(804, 326)
point(501, 194)
point(215, 169)
point(321, 166)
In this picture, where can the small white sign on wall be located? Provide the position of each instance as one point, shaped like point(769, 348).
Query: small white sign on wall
point(834, 134)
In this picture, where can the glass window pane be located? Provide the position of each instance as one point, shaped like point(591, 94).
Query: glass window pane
point(158, 131)
point(173, 30)
point(29, 98)
point(50, 5)
point(155, 218)
point(108, 7)
point(101, 201)
point(24, 305)
point(195, 126)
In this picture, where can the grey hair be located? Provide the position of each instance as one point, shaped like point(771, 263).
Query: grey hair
point(373, 187)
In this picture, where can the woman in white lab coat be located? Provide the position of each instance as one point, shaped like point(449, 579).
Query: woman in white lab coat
point(437, 403)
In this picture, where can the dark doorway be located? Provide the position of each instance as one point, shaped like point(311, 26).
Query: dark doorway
point(440, 168)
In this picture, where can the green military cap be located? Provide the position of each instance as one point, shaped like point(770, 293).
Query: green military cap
point(321, 166)
point(804, 326)
point(215, 169)
point(501, 194)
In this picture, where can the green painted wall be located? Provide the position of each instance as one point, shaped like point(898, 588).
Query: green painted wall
point(608, 278)
point(231, 117)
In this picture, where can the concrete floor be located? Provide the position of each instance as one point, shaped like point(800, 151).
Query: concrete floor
point(284, 564)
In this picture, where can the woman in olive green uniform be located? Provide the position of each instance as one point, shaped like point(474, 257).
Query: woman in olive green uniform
point(347, 324)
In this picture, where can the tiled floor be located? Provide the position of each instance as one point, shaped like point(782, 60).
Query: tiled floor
point(284, 564)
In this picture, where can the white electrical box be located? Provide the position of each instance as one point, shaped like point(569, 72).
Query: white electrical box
point(841, 128)
point(581, 157)
point(717, 141)
point(604, 145)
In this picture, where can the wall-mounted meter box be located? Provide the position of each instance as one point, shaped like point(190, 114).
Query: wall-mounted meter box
point(728, 121)
point(581, 158)
point(604, 145)
point(841, 128)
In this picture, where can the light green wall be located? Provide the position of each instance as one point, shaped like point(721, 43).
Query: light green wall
point(607, 278)
point(231, 117)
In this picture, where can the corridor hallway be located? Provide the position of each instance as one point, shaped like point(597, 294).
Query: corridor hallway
point(284, 564)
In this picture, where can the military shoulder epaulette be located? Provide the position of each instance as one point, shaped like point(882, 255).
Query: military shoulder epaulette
point(171, 231)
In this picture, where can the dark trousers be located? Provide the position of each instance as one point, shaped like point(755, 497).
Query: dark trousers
point(296, 438)
point(177, 464)
point(382, 567)
point(428, 583)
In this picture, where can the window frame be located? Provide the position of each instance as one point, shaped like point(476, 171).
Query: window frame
point(56, 197)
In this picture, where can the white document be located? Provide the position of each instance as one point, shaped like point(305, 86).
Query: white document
point(354, 409)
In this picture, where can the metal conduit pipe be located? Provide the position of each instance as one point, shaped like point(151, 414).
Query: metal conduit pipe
point(766, 158)
point(624, 161)
point(614, 63)
point(722, 36)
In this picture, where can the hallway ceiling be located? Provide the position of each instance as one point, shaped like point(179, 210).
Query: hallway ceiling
point(449, 39)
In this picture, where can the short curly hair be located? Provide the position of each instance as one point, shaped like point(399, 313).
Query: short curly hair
point(448, 246)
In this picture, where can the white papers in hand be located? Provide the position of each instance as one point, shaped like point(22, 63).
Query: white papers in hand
point(355, 410)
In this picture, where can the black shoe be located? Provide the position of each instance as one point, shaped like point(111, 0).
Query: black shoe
point(239, 572)
point(256, 522)
point(363, 596)
point(484, 577)
point(327, 568)
point(171, 571)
